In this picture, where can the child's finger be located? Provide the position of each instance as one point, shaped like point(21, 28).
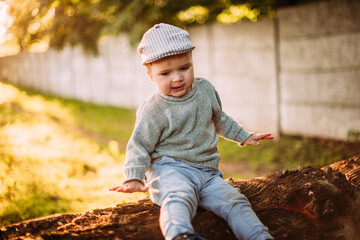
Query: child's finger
point(127, 190)
point(113, 188)
point(121, 189)
point(253, 142)
point(268, 137)
point(264, 136)
point(134, 189)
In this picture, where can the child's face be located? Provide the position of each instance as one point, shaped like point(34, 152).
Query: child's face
point(173, 75)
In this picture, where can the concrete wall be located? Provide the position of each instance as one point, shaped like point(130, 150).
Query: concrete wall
point(320, 69)
point(116, 77)
point(239, 60)
point(296, 74)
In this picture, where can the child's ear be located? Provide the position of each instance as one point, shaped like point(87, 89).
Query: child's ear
point(149, 73)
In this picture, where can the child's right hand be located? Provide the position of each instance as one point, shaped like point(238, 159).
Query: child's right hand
point(130, 187)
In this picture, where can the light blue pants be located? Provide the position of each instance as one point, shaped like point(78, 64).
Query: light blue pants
point(179, 188)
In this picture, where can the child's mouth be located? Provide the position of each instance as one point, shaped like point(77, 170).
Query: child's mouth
point(177, 89)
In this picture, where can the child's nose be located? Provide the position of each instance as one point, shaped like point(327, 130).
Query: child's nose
point(178, 77)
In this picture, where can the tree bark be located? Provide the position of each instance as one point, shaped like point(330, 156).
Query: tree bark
point(306, 203)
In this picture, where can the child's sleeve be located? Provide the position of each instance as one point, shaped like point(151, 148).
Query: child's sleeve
point(226, 126)
point(140, 146)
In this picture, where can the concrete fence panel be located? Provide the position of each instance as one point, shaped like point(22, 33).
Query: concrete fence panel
point(320, 69)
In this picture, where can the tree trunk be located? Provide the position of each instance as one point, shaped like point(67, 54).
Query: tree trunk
point(299, 204)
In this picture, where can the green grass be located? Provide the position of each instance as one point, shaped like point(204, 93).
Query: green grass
point(104, 122)
point(288, 152)
point(61, 155)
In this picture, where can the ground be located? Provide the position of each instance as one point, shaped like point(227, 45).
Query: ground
point(305, 203)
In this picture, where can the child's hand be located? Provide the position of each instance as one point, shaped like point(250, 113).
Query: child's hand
point(253, 139)
point(130, 187)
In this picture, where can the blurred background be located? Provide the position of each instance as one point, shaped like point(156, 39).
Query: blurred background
point(71, 80)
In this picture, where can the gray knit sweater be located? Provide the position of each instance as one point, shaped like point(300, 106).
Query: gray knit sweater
point(183, 128)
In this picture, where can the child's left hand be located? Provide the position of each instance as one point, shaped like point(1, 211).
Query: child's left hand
point(253, 139)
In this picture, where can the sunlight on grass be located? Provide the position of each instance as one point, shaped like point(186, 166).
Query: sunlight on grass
point(35, 104)
point(38, 105)
point(49, 163)
point(42, 141)
point(8, 93)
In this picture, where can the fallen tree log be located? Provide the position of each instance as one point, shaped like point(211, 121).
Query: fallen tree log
point(306, 203)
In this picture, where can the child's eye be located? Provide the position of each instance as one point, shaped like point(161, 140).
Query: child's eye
point(185, 68)
point(164, 73)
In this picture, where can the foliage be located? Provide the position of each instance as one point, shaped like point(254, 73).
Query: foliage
point(29, 23)
point(75, 22)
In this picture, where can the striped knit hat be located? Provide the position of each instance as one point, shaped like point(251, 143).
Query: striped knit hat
point(163, 40)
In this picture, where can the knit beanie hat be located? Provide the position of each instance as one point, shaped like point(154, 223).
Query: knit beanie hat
point(163, 40)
